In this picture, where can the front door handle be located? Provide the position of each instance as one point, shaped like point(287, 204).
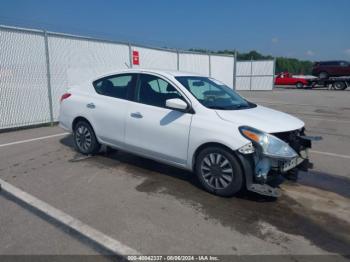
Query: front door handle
point(90, 105)
point(136, 115)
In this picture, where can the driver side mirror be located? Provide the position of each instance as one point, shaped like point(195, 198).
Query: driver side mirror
point(177, 104)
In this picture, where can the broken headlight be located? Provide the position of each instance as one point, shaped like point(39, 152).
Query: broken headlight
point(270, 145)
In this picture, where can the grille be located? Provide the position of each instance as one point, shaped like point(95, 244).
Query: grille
point(293, 139)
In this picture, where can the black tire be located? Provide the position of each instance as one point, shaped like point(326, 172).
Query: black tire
point(339, 85)
point(85, 140)
point(219, 185)
point(299, 85)
point(323, 75)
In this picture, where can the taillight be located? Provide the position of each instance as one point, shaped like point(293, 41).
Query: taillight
point(65, 96)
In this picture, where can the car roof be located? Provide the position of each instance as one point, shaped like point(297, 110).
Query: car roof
point(166, 73)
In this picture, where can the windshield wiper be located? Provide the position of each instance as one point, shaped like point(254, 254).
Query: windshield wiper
point(225, 107)
point(217, 107)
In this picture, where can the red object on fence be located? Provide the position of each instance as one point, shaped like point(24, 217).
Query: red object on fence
point(135, 58)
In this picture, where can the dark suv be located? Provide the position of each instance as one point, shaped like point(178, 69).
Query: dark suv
point(331, 68)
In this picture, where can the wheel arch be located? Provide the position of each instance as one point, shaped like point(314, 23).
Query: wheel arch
point(210, 144)
point(80, 118)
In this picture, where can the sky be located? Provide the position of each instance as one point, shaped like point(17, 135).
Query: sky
point(304, 29)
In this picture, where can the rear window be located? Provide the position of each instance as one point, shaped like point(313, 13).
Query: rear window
point(116, 86)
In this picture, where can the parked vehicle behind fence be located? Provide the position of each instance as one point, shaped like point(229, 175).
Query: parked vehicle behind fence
point(327, 69)
point(191, 122)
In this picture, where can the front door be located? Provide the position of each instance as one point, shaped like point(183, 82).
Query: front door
point(151, 128)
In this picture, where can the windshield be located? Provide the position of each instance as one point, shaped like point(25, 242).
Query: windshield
point(213, 94)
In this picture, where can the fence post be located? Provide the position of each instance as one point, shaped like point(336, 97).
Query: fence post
point(178, 59)
point(234, 71)
point(130, 55)
point(274, 72)
point(48, 75)
point(251, 73)
point(209, 64)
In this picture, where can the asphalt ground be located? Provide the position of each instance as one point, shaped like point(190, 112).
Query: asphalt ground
point(157, 209)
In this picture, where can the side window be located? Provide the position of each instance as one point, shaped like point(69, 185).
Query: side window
point(334, 63)
point(115, 86)
point(331, 63)
point(154, 91)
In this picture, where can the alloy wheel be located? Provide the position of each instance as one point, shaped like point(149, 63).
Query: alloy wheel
point(217, 171)
point(83, 138)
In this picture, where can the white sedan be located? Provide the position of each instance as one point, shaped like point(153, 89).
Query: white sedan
point(188, 121)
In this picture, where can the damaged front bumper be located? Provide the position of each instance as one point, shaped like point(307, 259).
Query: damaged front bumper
point(267, 173)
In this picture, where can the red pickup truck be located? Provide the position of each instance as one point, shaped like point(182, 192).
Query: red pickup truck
point(286, 78)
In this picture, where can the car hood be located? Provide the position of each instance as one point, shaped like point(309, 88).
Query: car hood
point(262, 118)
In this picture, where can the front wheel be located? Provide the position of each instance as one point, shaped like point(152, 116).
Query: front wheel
point(299, 85)
point(219, 172)
point(85, 139)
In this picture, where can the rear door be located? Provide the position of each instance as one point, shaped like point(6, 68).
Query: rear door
point(152, 129)
point(109, 107)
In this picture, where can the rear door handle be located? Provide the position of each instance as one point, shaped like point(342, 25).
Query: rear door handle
point(91, 105)
point(136, 115)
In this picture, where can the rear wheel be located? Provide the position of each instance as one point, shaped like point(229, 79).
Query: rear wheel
point(219, 172)
point(85, 139)
point(339, 85)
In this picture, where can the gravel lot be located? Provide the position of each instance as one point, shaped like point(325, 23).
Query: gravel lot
point(157, 209)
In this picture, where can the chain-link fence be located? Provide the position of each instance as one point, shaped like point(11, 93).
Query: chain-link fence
point(37, 67)
point(24, 93)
